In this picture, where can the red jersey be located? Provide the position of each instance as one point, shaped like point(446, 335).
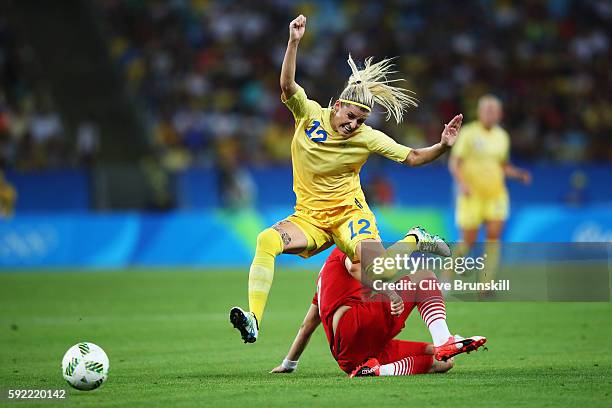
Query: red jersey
point(368, 328)
point(335, 287)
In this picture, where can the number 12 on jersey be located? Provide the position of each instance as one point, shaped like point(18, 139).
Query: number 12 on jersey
point(322, 135)
point(365, 224)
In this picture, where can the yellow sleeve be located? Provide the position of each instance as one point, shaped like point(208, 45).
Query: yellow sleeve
point(380, 143)
point(460, 148)
point(300, 105)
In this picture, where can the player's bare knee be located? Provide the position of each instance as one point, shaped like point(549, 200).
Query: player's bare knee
point(374, 249)
point(370, 251)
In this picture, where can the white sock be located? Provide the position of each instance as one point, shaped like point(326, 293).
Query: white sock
point(433, 313)
point(439, 332)
point(401, 367)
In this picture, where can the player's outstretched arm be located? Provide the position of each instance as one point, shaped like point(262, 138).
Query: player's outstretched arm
point(287, 79)
point(418, 157)
point(309, 325)
point(517, 173)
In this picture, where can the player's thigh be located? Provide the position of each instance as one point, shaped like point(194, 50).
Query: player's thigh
point(311, 238)
point(353, 230)
point(349, 348)
point(468, 212)
point(361, 332)
point(294, 239)
point(366, 250)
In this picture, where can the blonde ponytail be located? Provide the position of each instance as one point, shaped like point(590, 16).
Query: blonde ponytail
point(370, 85)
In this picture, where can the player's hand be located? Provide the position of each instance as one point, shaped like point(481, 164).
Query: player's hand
point(397, 304)
point(464, 189)
point(281, 369)
point(525, 177)
point(451, 131)
point(297, 28)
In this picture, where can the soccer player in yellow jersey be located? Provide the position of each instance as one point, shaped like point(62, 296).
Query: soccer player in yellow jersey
point(329, 147)
point(479, 164)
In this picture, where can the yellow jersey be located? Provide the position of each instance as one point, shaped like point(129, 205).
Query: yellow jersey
point(326, 165)
point(483, 153)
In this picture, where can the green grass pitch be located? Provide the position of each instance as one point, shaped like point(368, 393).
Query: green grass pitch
point(170, 344)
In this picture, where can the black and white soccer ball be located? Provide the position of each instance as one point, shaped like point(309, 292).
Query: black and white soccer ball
point(85, 366)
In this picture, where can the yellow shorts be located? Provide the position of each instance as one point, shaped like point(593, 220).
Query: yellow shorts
point(472, 210)
point(345, 226)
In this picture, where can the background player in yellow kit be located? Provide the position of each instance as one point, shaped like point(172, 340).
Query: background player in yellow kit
point(479, 165)
point(329, 147)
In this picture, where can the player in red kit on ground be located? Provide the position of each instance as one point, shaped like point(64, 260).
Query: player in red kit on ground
point(361, 328)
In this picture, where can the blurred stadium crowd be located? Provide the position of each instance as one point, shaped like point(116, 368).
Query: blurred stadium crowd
point(205, 75)
point(30, 127)
point(207, 72)
point(32, 134)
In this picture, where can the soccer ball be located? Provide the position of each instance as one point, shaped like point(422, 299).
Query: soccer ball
point(85, 366)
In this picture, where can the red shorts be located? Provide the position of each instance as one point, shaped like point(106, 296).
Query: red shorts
point(367, 330)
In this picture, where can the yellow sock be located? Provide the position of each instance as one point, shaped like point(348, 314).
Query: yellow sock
point(493, 250)
point(261, 274)
point(409, 239)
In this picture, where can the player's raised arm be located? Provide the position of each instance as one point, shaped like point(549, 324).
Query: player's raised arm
point(418, 157)
point(309, 325)
point(287, 79)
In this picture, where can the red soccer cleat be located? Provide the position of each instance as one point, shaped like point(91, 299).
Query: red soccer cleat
point(457, 345)
point(371, 367)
